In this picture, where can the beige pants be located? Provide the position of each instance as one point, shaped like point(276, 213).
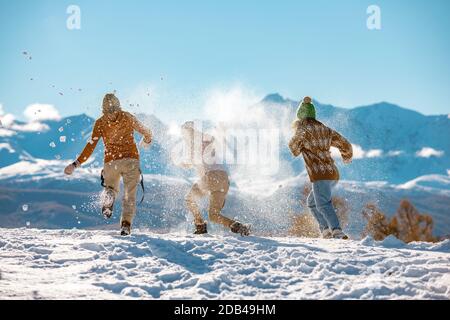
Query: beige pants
point(129, 170)
point(214, 184)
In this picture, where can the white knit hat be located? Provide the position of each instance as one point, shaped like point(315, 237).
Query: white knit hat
point(110, 104)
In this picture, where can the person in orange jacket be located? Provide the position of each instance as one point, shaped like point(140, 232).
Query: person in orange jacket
point(121, 159)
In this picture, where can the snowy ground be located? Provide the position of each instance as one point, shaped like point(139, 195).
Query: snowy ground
point(75, 264)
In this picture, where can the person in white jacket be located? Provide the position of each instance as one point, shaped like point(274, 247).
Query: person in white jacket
point(213, 181)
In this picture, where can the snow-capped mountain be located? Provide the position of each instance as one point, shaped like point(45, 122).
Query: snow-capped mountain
point(65, 138)
point(398, 154)
point(391, 143)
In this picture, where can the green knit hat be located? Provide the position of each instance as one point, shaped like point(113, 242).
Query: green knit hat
point(306, 109)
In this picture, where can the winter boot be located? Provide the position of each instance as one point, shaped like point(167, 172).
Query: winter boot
point(108, 203)
point(201, 229)
point(338, 234)
point(240, 228)
point(107, 211)
point(327, 233)
point(126, 228)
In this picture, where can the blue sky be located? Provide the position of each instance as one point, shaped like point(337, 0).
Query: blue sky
point(177, 51)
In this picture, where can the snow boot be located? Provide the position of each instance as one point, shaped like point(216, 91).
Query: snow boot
point(338, 234)
point(240, 228)
point(201, 228)
point(107, 211)
point(327, 233)
point(108, 203)
point(126, 229)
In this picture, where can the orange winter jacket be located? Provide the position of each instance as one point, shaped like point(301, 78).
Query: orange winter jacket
point(118, 137)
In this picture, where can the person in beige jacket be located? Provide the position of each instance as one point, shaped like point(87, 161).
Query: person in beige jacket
point(313, 140)
point(121, 160)
point(213, 181)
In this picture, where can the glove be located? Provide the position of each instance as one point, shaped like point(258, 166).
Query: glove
point(71, 168)
point(144, 144)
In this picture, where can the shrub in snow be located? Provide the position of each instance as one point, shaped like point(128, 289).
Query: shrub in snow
point(407, 224)
point(378, 226)
point(305, 226)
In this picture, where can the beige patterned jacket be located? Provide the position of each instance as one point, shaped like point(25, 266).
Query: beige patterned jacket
point(313, 140)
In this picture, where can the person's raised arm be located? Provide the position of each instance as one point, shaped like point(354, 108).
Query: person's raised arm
point(87, 151)
point(142, 130)
point(345, 148)
point(296, 143)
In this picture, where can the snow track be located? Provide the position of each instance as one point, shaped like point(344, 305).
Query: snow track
point(75, 264)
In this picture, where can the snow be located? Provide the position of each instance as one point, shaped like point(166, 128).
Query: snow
point(34, 113)
point(395, 153)
point(7, 132)
point(374, 153)
point(8, 120)
point(40, 112)
point(30, 127)
point(359, 153)
point(7, 147)
point(40, 169)
point(428, 182)
point(75, 264)
point(427, 152)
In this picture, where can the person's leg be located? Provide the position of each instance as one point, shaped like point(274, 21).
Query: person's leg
point(216, 204)
point(311, 203)
point(322, 196)
point(111, 176)
point(194, 195)
point(218, 185)
point(131, 175)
